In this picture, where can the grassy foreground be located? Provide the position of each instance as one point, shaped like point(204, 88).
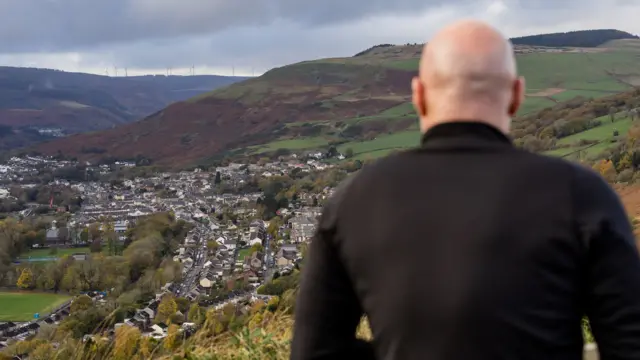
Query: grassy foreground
point(265, 336)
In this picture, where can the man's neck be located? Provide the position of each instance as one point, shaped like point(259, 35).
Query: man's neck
point(426, 124)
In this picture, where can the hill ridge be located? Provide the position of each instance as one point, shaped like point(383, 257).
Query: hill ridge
point(33, 100)
point(352, 102)
point(604, 35)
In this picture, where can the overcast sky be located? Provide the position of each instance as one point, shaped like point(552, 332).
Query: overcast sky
point(252, 36)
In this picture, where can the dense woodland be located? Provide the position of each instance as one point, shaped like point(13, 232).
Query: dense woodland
point(131, 272)
point(583, 38)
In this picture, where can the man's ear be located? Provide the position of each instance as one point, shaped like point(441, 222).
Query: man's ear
point(418, 97)
point(517, 97)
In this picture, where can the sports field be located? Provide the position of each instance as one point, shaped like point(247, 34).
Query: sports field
point(21, 306)
point(47, 253)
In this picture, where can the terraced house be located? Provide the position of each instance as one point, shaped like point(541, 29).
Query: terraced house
point(302, 228)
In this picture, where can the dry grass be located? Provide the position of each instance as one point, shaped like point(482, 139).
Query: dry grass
point(266, 339)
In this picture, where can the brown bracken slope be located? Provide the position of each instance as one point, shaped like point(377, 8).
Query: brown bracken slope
point(252, 111)
point(77, 102)
point(630, 196)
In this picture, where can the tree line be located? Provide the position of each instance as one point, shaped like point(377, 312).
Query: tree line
point(582, 38)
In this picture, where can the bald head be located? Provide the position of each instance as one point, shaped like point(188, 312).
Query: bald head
point(468, 73)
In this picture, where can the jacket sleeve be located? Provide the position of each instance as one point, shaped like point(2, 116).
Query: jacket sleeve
point(327, 309)
point(613, 269)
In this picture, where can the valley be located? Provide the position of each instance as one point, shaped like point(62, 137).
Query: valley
point(41, 104)
point(185, 234)
point(359, 103)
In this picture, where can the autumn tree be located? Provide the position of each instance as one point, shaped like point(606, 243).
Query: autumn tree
point(81, 303)
point(89, 272)
point(196, 314)
point(183, 304)
point(256, 248)
point(125, 343)
point(11, 237)
point(70, 280)
point(25, 281)
point(145, 348)
point(94, 231)
point(96, 246)
point(626, 162)
point(43, 351)
point(612, 113)
point(172, 341)
point(272, 305)
point(348, 153)
point(166, 308)
point(274, 226)
point(45, 281)
point(633, 135)
point(606, 169)
point(212, 245)
point(288, 300)
point(84, 235)
point(177, 318)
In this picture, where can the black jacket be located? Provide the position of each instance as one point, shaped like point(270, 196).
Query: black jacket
point(468, 248)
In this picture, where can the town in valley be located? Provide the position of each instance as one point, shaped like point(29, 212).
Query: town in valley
point(158, 249)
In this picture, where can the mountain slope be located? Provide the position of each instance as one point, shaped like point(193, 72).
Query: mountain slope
point(76, 102)
point(356, 101)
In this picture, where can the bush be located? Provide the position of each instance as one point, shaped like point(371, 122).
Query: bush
point(625, 176)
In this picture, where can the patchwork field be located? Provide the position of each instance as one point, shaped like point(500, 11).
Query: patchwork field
point(21, 306)
point(382, 145)
point(602, 137)
point(551, 77)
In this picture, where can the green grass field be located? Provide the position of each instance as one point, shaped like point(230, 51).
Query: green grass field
point(599, 133)
point(21, 306)
point(580, 74)
point(382, 145)
point(603, 134)
point(571, 94)
point(532, 104)
point(46, 253)
point(243, 253)
point(291, 144)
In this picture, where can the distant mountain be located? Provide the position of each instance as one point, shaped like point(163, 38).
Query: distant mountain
point(36, 101)
point(583, 38)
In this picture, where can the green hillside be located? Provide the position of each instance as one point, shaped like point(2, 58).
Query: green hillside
point(552, 77)
point(359, 103)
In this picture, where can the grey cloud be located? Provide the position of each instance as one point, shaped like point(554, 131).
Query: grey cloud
point(261, 34)
point(60, 25)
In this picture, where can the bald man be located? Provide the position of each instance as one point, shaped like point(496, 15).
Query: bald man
point(467, 248)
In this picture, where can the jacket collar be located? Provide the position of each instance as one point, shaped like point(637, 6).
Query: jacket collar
point(464, 133)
